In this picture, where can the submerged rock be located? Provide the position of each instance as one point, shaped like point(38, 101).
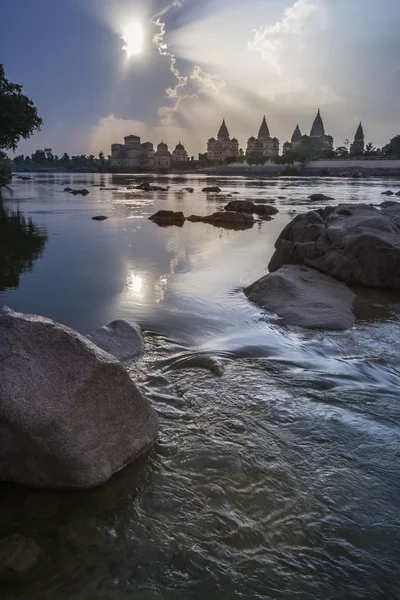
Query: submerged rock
point(319, 197)
point(121, 339)
point(212, 188)
point(82, 192)
point(188, 189)
point(244, 206)
point(265, 210)
point(99, 218)
point(387, 193)
point(168, 217)
point(68, 189)
point(18, 556)
point(227, 219)
point(70, 415)
point(357, 244)
point(304, 297)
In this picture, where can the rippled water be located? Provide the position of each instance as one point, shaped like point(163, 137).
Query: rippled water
point(279, 479)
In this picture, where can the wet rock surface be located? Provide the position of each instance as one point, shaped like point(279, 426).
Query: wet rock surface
point(70, 415)
point(121, 339)
point(168, 217)
point(356, 244)
point(304, 297)
point(19, 555)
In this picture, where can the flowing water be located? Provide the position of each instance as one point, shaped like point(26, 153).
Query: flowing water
point(278, 480)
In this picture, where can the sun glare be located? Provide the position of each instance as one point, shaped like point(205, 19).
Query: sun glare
point(133, 37)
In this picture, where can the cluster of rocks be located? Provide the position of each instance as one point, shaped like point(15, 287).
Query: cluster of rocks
point(320, 253)
point(147, 187)
point(237, 214)
point(82, 192)
point(390, 193)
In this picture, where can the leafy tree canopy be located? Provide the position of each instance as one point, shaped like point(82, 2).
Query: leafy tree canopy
point(18, 115)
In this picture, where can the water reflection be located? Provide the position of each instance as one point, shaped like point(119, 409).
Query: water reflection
point(21, 244)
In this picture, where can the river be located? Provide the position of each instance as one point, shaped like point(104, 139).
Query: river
point(278, 480)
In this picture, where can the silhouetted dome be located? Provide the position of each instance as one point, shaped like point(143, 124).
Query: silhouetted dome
point(162, 146)
point(252, 139)
point(212, 140)
point(234, 140)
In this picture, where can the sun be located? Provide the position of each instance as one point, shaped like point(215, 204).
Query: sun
point(133, 37)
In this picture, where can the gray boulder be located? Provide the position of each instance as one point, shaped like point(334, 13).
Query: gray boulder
point(304, 297)
point(70, 416)
point(99, 218)
point(121, 339)
point(357, 244)
point(387, 193)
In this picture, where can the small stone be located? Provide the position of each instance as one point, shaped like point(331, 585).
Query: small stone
point(18, 556)
point(99, 218)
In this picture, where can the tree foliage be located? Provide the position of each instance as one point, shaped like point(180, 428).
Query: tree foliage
point(18, 115)
point(393, 147)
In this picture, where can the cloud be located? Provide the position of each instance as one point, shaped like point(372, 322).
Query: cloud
point(280, 44)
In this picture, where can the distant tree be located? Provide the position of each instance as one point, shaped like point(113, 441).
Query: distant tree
point(27, 160)
point(39, 157)
point(230, 160)
point(393, 147)
point(18, 115)
point(19, 160)
point(370, 149)
point(48, 152)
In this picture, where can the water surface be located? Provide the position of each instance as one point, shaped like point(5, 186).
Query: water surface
point(279, 480)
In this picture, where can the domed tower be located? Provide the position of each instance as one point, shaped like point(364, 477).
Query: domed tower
point(180, 155)
point(162, 157)
point(317, 129)
point(296, 138)
point(358, 145)
point(264, 134)
point(218, 150)
point(264, 145)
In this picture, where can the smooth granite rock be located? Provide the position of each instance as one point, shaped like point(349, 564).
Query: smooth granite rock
point(304, 297)
point(70, 415)
point(243, 206)
point(229, 220)
point(355, 243)
point(212, 189)
point(121, 339)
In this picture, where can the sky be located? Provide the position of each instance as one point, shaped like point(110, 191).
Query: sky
point(171, 70)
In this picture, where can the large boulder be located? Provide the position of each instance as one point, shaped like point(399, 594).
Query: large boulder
point(319, 198)
point(213, 189)
point(70, 416)
point(304, 297)
point(121, 339)
point(357, 244)
point(265, 210)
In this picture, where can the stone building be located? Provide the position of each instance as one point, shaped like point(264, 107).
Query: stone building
point(264, 144)
point(162, 157)
point(317, 136)
point(179, 155)
point(132, 154)
point(218, 150)
point(357, 147)
point(295, 141)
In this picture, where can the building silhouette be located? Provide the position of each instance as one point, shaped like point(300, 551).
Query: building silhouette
point(357, 147)
point(264, 144)
point(218, 150)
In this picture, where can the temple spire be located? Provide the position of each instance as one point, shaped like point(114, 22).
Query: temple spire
point(223, 132)
point(318, 129)
point(359, 133)
point(264, 131)
point(296, 137)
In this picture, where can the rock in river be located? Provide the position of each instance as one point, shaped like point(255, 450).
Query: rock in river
point(355, 243)
point(99, 218)
point(319, 198)
point(227, 219)
point(212, 188)
point(304, 297)
point(70, 415)
point(18, 556)
point(243, 206)
point(168, 217)
point(121, 339)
